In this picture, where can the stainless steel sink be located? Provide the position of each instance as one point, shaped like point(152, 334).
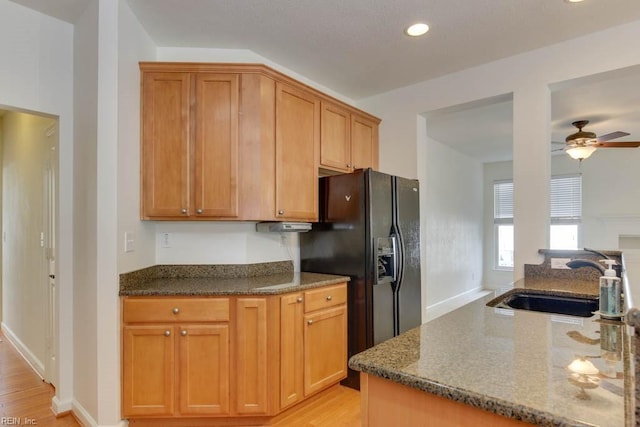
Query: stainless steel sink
point(548, 303)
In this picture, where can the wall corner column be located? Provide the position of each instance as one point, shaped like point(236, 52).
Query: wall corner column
point(531, 174)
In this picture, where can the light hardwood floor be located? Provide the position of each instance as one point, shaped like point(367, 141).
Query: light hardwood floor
point(24, 396)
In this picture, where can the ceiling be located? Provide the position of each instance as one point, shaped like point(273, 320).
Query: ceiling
point(358, 49)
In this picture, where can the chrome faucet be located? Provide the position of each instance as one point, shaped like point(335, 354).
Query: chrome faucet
point(577, 263)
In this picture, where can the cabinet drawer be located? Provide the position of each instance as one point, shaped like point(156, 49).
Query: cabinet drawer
point(325, 297)
point(175, 310)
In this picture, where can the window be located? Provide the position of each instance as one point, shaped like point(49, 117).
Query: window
point(565, 215)
point(503, 224)
point(566, 211)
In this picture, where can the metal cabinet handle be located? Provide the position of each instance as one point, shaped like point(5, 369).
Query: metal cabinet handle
point(167, 333)
point(198, 211)
point(176, 310)
point(280, 212)
point(329, 297)
point(183, 333)
point(309, 322)
point(299, 299)
point(184, 211)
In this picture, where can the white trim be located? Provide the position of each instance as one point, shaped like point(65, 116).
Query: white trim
point(443, 307)
point(31, 359)
point(60, 406)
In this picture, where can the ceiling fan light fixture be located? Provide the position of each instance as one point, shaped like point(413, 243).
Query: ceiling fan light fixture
point(581, 152)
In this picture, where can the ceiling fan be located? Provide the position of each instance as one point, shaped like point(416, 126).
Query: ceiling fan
point(582, 144)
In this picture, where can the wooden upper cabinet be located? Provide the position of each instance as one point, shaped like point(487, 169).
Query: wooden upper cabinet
point(364, 142)
point(216, 145)
point(297, 145)
point(335, 137)
point(190, 145)
point(165, 144)
point(348, 139)
point(242, 142)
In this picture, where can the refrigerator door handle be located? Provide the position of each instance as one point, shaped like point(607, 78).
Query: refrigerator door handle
point(394, 244)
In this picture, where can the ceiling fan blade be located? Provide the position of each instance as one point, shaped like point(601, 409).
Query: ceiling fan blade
point(626, 144)
point(558, 143)
point(557, 149)
point(612, 135)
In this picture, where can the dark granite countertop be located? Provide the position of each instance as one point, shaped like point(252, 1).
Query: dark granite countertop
point(207, 280)
point(514, 363)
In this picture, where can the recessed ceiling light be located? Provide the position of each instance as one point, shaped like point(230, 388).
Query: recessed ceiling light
point(573, 1)
point(416, 30)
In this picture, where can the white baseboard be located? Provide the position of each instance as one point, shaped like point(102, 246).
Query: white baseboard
point(443, 307)
point(87, 420)
point(35, 363)
point(59, 406)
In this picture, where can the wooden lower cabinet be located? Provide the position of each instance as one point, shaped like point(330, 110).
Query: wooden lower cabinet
point(242, 358)
point(251, 356)
point(324, 364)
point(148, 370)
point(204, 369)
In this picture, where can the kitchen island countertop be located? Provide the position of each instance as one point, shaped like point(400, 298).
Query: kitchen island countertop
point(514, 363)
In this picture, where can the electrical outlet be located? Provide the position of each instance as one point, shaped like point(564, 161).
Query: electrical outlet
point(560, 263)
point(165, 240)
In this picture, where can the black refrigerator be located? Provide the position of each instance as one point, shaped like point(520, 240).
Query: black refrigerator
point(369, 229)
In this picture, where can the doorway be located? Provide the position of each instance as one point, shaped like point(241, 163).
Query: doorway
point(29, 172)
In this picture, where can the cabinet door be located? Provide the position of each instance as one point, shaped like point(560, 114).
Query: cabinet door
point(165, 144)
point(335, 137)
point(251, 356)
point(291, 349)
point(148, 370)
point(325, 348)
point(364, 143)
point(216, 145)
point(297, 145)
point(204, 369)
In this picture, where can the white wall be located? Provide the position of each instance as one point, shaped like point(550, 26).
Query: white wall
point(134, 45)
point(452, 195)
point(528, 77)
point(85, 300)
point(26, 152)
point(36, 74)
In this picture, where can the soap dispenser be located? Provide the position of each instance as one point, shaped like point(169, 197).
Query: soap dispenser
point(610, 293)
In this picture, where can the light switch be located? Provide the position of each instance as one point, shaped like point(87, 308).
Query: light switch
point(129, 241)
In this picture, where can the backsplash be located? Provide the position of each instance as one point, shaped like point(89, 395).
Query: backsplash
point(544, 269)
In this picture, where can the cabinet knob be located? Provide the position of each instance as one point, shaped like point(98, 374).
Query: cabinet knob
point(183, 210)
point(348, 166)
point(198, 211)
point(309, 322)
point(176, 310)
point(299, 299)
point(183, 333)
point(167, 333)
point(280, 212)
point(329, 297)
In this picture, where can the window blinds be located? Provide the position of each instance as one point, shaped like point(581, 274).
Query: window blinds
point(503, 202)
point(566, 200)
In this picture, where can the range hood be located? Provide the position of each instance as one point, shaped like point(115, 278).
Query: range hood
point(271, 227)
